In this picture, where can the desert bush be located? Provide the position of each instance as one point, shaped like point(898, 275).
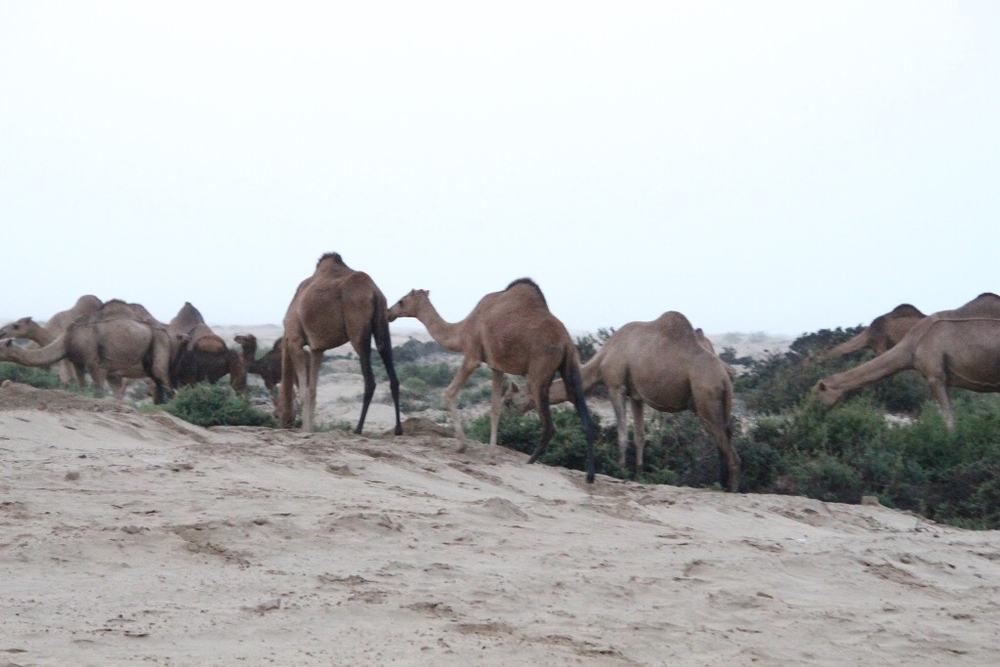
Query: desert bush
point(567, 448)
point(208, 404)
point(43, 378)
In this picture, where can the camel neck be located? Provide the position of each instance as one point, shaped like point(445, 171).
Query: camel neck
point(447, 334)
point(897, 359)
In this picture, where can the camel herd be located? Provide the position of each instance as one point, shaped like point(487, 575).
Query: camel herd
point(666, 363)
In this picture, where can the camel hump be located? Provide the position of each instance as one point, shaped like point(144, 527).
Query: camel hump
point(906, 310)
point(332, 262)
point(529, 283)
point(676, 326)
point(210, 344)
point(986, 304)
point(189, 313)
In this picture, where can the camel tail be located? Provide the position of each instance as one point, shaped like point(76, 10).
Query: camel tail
point(573, 380)
point(383, 343)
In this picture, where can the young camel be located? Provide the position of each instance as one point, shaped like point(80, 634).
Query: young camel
point(334, 306)
point(268, 367)
point(665, 364)
point(513, 332)
point(950, 348)
point(881, 335)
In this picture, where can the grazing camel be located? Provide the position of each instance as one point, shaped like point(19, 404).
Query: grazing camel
point(109, 341)
point(513, 332)
point(335, 305)
point(881, 335)
point(268, 367)
point(204, 355)
point(950, 348)
point(667, 365)
point(53, 328)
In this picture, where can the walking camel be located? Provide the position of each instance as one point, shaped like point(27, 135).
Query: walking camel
point(664, 364)
point(881, 335)
point(109, 341)
point(335, 305)
point(513, 332)
point(950, 348)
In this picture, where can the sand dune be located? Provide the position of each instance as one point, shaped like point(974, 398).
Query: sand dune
point(133, 538)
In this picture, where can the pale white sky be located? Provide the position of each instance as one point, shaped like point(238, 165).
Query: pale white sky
point(759, 166)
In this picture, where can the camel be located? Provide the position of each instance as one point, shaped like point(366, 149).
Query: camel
point(513, 332)
point(203, 355)
point(110, 341)
point(268, 367)
point(335, 305)
point(53, 328)
point(667, 365)
point(950, 348)
point(881, 335)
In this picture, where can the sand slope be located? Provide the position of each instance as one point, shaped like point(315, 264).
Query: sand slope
point(133, 538)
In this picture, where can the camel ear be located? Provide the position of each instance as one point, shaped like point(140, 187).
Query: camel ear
point(821, 385)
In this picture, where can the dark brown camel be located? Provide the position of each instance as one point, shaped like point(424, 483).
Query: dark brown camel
point(202, 354)
point(335, 305)
point(513, 332)
point(268, 367)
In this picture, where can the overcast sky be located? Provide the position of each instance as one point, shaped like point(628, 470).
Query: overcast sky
point(759, 166)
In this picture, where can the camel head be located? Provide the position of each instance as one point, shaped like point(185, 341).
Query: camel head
point(827, 394)
point(22, 328)
point(409, 305)
point(246, 340)
point(518, 400)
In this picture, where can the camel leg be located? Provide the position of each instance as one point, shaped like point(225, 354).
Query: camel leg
point(364, 350)
point(80, 373)
point(640, 432)
point(495, 400)
point(617, 396)
point(717, 425)
point(293, 362)
point(313, 361)
point(468, 367)
point(100, 378)
point(574, 384)
point(940, 392)
point(383, 343)
point(541, 395)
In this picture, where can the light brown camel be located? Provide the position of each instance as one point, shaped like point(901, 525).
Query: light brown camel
point(110, 340)
point(268, 367)
point(513, 332)
point(204, 354)
point(53, 328)
point(664, 364)
point(881, 335)
point(335, 305)
point(950, 348)
point(27, 328)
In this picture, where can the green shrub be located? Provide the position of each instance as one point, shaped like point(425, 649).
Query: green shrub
point(208, 404)
point(43, 378)
point(567, 448)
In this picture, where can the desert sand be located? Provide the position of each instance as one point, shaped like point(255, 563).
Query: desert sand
point(130, 537)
